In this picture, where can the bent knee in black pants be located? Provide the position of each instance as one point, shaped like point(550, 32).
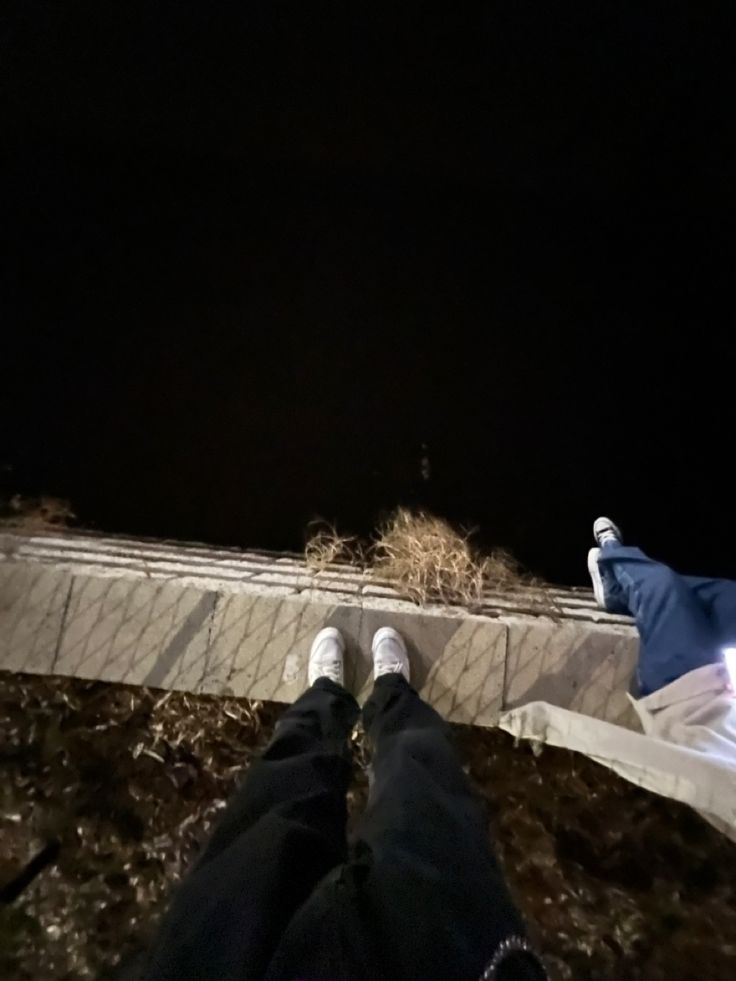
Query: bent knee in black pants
point(420, 894)
point(278, 894)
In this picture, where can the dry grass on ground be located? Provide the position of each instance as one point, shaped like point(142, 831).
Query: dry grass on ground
point(617, 885)
point(425, 558)
point(431, 561)
point(31, 515)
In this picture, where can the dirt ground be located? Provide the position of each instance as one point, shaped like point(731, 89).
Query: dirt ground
point(120, 785)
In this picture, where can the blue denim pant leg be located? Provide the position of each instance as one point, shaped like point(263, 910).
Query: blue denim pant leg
point(675, 630)
point(718, 598)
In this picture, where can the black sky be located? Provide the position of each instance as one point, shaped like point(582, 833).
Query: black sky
point(257, 255)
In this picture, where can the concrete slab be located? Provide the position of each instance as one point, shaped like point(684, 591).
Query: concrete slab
point(200, 619)
point(259, 645)
point(465, 684)
point(32, 602)
point(457, 661)
point(135, 631)
point(298, 580)
point(585, 668)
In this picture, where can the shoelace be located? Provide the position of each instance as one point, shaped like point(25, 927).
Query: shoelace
point(331, 669)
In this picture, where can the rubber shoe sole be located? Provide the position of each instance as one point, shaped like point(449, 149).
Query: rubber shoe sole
point(596, 578)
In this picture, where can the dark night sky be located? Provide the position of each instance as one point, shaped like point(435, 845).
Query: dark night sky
point(258, 254)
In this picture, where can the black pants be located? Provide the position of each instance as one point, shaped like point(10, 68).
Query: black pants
point(279, 894)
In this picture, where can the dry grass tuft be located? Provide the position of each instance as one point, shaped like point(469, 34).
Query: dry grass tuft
point(325, 548)
point(35, 514)
point(424, 557)
point(430, 561)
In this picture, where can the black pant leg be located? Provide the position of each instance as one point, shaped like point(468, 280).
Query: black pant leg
point(282, 832)
point(435, 893)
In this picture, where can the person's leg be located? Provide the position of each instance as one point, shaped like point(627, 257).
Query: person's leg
point(718, 598)
point(303, 773)
point(675, 631)
point(282, 832)
point(427, 881)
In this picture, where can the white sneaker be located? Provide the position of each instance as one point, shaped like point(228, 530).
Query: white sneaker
point(596, 578)
point(389, 653)
point(327, 656)
point(607, 592)
point(604, 530)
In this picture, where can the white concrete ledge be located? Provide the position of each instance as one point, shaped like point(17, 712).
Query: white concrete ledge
point(222, 621)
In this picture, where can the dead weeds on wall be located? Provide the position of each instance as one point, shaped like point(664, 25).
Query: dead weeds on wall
point(32, 515)
point(325, 547)
point(427, 560)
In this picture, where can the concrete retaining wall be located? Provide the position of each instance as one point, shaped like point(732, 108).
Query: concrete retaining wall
point(223, 621)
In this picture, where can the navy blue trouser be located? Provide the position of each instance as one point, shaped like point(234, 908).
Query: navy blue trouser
point(279, 894)
point(684, 622)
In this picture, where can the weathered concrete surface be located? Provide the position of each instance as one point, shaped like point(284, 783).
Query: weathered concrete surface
point(222, 621)
point(142, 633)
point(583, 668)
point(33, 598)
point(259, 645)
